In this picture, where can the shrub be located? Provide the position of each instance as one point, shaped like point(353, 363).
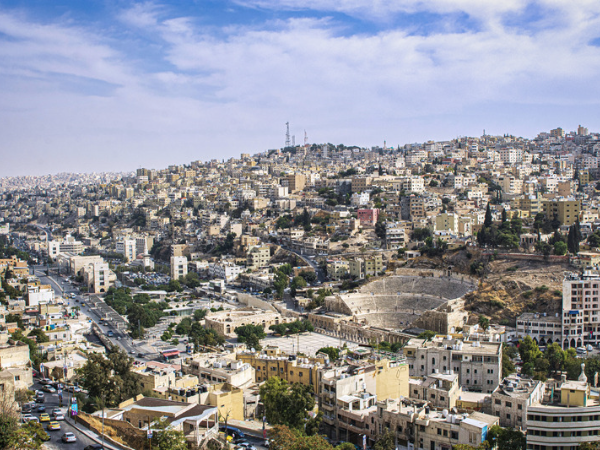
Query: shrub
point(497, 303)
point(527, 294)
point(541, 289)
point(557, 293)
point(512, 269)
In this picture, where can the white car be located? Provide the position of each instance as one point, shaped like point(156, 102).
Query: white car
point(69, 437)
point(59, 416)
point(29, 418)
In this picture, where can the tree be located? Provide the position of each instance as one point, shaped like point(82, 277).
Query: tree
point(484, 322)
point(507, 438)
point(250, 335)
point(286, 404)
point(386, 441)
point(488, 217)
point(285, 438)
point(556, 357)
point(420, 234)
point(29, 436)
point(560, 248)
point(427, 334)
point(166, 438)
point(57, 373)
point(332, 352)
point(280, 282)
point(529, 350)
point(200, 314)
point(507, 365)
point(39, 335)
point(297, 283)
point(110, 378)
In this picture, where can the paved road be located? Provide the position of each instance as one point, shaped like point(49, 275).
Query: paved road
point(55, 441)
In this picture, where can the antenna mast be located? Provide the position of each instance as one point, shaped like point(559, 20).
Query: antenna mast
point(287, 134)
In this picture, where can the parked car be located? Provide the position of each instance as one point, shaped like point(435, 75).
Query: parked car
point(26, 408)
point(69, 437)
point(27, 417)
point(246, 446)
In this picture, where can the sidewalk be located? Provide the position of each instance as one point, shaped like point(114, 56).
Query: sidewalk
point(93, 436)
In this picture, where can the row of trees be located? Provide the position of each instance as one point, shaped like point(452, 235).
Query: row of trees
point(139, 309)
point(298, 326)
point(550, 362)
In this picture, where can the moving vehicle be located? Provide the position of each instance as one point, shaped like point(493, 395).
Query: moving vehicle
point(44, 417)
point(53, 426)
point(246, 446)
point(94, 447)
point(50, 389)
point(69, 437)
point(109, 333)
point(28, 417)
point(59, 416)
point(40, 408)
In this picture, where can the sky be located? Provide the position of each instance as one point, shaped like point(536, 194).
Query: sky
point(113, 85)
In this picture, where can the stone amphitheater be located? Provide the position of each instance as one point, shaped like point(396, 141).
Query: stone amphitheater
point(433, 302)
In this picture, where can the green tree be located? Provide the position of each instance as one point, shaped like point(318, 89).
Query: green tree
point(484, 322)
point(200, 314)
point(280, 282)
point(286, 404)
point(507, 365)
point(110, 378)
point(386, 441)
point(507, 438)
point(427, 334)
point(529, 350)
point(560, 248)
point(40, 336)
point(29, 436)
point(285, 438)
point(250, 335)
point(297, 283)
point(332, 352)
point(487, 222)
point(556, 357)
point(164, 437)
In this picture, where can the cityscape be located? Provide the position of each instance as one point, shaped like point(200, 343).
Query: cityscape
point(441, 295)
point(299, 225)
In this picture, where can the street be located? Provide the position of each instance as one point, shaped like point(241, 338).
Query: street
point(55, 442)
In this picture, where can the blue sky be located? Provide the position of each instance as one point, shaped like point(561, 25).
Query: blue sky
point(115, 85)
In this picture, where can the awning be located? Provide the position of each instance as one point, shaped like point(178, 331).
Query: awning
point(171, 353)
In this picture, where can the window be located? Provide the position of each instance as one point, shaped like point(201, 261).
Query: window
point(301, 374)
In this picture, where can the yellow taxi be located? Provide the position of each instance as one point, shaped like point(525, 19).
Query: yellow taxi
point(53, 426)
point(44, 417)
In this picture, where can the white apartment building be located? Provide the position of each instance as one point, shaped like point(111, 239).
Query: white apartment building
point(510, 155)
point(477, 364)
point(446, 222)
point(127, 247)
point(179, 267)
point(227, 271)
point(581, 309)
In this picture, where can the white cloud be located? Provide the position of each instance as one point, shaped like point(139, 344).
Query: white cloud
point(71, 91)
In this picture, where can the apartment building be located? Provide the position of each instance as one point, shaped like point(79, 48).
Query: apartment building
point(441, 390)
point(127, 247)
point(272, 362)
point(225, 270)
point(512, 399)
point(368, 217)
point(295, 182)
point(258, 256)
point(581, 309)
point(396, 235)
point(541, 327)
point(571, 418)
point(337, 269)
point(566, 210)
point(179, 267)
point(416, 426)
point(477, 364)
point(361, 184)
point(366, 266)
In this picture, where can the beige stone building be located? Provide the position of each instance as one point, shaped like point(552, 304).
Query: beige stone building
point(225, 322)
point(512, 398)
